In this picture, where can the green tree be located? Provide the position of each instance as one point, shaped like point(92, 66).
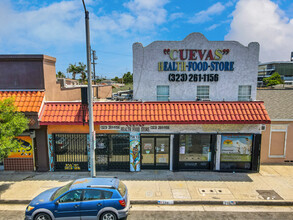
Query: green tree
point(12, 124)
point(60, 74)
point(78, 69)
point(73, 70)
point(127, 78)
point(274, 79)
point(81, 69)
point(116, 79)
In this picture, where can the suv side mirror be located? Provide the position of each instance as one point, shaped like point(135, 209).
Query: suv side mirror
point(56, 203)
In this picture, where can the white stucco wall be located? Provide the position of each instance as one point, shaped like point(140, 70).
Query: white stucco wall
point(146, 75)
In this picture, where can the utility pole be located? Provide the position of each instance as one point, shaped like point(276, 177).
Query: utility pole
point(94, 64)
point(90, 95)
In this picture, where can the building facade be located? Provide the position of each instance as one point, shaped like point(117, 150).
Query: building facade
point(195, 69)
point(277, 137)
point(284, 68)
point(31, 81)
point(195, 110)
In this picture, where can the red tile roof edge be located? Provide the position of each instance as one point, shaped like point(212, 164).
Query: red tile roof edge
point(252, 114)
point(160, 102)
point(30, 98)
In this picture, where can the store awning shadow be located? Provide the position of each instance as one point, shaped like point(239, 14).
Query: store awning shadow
point(164, 175)
point(144, 175)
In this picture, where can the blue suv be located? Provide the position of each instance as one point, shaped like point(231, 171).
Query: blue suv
point(89, 198)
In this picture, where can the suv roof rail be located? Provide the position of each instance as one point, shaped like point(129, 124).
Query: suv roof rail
point(106, 177)
point(101, 186)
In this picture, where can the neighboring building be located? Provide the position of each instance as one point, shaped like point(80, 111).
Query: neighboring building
point(169, 129)
point(31, 80)
point(277, 138)
point(284, 68)
point(33, 153)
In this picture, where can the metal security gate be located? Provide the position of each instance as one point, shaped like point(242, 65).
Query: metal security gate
point(70, 152)
point(112, 152)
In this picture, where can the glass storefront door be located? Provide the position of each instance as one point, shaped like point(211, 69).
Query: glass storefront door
point(155, 152)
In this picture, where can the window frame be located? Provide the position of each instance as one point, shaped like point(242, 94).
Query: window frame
point(202, 96)
point(278, 128)
point(248, 97)
point(168, 96)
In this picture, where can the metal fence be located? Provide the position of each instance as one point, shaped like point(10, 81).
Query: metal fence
point(70, 152)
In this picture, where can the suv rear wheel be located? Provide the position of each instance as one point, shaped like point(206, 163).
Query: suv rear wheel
point(42, 216)
point(108, 216)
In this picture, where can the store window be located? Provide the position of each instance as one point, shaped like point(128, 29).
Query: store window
point(236, 151)
point(162, 93)
point(244, 93)
point(195, 148)
point(203, 93)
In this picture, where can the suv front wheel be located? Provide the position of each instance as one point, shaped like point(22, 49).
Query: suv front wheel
point(42, 216)
point(108, 216)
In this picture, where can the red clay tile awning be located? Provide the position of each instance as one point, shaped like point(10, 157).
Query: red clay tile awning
point(26, 101)
point(127, 113)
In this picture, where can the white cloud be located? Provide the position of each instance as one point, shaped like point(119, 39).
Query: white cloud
point(175, 16)
point(50, 25)
point(205, 15)
point(24, 26)
point(214, 26)
point(147, 14)
point(263, 21)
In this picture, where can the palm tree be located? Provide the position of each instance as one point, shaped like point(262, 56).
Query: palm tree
point(60, 74)
point(81, 69)
point(73, 69)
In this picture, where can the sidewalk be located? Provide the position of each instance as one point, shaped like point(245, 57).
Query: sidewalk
point(273, 185)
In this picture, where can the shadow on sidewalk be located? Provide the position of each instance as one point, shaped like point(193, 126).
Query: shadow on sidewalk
point(145, 175)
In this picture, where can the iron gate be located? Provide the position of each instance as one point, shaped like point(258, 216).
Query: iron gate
point(112, 152)
point(70, 152)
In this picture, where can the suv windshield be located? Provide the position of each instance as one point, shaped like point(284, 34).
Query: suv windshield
point(122, 189)
point(60, 191)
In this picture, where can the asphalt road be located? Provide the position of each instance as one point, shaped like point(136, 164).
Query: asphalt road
point(152, 215)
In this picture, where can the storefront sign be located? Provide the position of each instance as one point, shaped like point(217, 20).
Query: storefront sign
point(236, 148)
point(26, 149)
point(71, 166)
point(195, 61)
point(135, 128)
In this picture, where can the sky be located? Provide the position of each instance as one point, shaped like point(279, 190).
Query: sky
point(57, 27)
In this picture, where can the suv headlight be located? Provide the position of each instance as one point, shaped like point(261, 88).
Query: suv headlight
point(29, 208)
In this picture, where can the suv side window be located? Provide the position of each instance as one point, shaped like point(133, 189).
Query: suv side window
point(107, 194)
point(72, 196)
point(92, 194)
point(95, 194)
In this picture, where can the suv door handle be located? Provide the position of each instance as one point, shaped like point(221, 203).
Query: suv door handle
point(75, 206)
point(99, 204)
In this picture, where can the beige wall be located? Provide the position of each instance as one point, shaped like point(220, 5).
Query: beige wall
point(104, 92)
point(273, 142)
point(54, 92)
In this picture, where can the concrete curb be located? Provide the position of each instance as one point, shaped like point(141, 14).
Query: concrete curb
point(184, 202)
point(15, 202)
point(211, 202)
